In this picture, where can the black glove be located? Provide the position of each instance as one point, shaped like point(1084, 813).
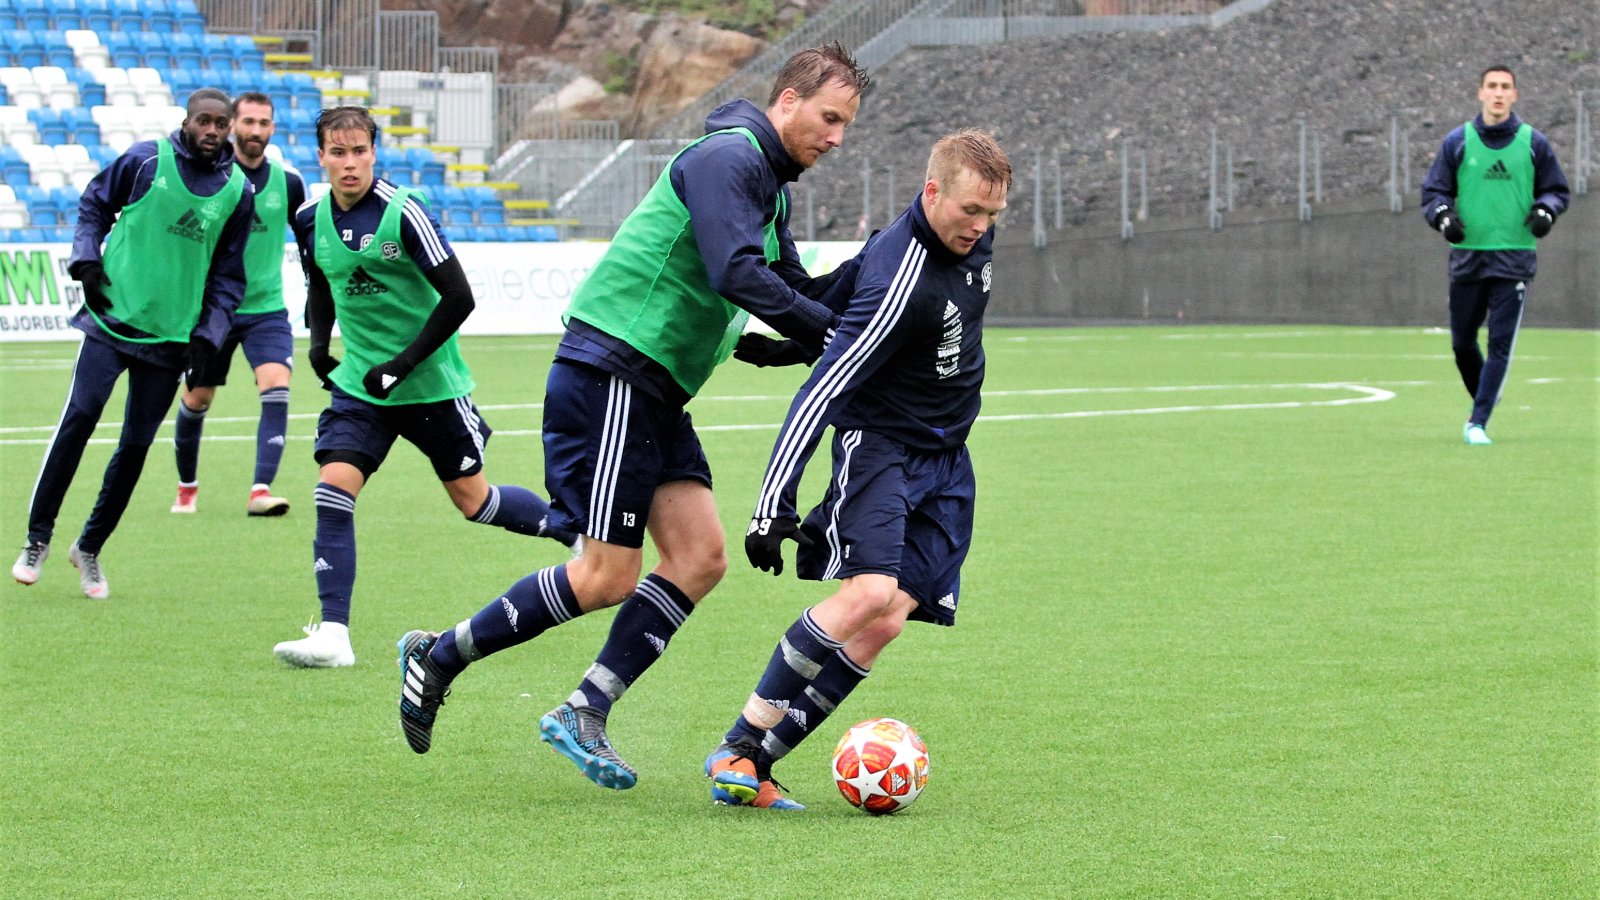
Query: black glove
point(763, 542)
point(1539, 220)
point(382, 379)
point(760, 350)
point(196, 357)
point(91, 273)
point(1451, 227)
point(323, 363)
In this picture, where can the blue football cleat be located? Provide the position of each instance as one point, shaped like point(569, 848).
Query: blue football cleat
point(579, 734)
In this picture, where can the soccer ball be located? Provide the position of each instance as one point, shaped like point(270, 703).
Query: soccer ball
point(880, 765)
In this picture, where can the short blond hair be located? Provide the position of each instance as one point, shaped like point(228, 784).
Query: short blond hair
point(969, 148)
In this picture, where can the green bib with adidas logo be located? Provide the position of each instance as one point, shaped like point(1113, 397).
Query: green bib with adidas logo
point(651, 288)
point(159, 252)
point(1494, 191)
point(381, 300)
point(263, 254)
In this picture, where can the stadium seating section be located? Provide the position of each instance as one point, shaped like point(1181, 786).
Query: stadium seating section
point(82, 80)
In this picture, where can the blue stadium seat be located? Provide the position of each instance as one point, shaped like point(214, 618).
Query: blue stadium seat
point(90, 91)
point(190, 19)
point(5, 96)
point(65, 199)
point(492, 215)
point(81, 126)
point(126, 15)
point(41, 209)
point(64, 15)
point(103, 155)
point(30, 235)
point(299, 126)
point(153, 50)
point(9, 19)
point(52, 129)
point(159, 16)
point(25, 48)
point(96, 16)
point(57, 52)
point(185, 50)
point(32, 14)
point(13, 167)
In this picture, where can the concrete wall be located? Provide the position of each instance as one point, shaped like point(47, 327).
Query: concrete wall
point(1351, 267)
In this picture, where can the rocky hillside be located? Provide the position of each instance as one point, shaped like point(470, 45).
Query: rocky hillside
point(1345, 66)
point(636, 61)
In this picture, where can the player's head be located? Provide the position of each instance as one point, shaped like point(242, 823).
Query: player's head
point(968, 177)
point(1497, 92)
point(253, 126)
point(345, 148)
point(815, 95)
point(207, 118)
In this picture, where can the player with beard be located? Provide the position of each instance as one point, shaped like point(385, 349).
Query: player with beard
point(158, 300)
point(707, 247)
point(261, 325)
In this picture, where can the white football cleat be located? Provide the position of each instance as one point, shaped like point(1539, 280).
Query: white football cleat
point(325, 646)
point(26, 569)
point(262, 503)
point(90, 575)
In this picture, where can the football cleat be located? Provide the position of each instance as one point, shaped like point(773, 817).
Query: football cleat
point(325, 646)
point(262, 503)
point(740, 777)
point(186, 496)
point(90, 575)
point(26, 568)
point(579, 734)
point(422, 689)
point(1474, 435)
point(732, 770)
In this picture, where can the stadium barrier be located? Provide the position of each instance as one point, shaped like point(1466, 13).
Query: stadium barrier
point(519, 288)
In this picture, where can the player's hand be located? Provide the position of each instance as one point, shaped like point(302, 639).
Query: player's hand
point(323, 363)
point(91, 273)
point(763, 542)
point(196, 356)
point(1539, 220)
point(760, 350)
point(382, 379)
point(1451, 226)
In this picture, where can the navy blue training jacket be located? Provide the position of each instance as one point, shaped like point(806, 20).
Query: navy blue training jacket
point(1439, 191)
point(907, 361)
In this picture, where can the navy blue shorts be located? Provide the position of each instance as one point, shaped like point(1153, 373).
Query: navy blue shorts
point(607, 447)
point(892, 510)
point(266, 338)
point(450, 433)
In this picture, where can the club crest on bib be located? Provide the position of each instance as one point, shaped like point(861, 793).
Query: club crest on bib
point(391, 250)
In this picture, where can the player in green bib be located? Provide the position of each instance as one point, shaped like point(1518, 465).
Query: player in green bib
point(377, 262)
point(708, 247)
point(261, 325)
point(174, 214)
point(1494, 189)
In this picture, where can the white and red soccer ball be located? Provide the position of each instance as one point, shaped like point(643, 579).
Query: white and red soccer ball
point(880, 765)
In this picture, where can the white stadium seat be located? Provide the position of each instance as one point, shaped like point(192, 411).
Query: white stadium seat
point(15, 127)
point(117, 129)
point(119, 92)
point(59, 93)
point(20, 87)
point(152, 90)
point(86, 47)
point(13, 213)
point(47, 170)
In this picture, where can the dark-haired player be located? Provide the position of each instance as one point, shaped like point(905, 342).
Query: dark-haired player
point(376, 261)
point(158, 300)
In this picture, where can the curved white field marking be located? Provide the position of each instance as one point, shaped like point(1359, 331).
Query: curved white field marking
point(1365, 394)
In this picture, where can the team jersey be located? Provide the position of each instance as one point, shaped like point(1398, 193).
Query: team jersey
point(907, 360)
point(375, 257)
point(279, 191)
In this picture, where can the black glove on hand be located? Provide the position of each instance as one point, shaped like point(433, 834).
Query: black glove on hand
point(196, 357)
point(763, 542)
point(382, 379)
point(1451, 227)
point(91, 273)
point(760, 350)
point(1539, 220)
point(323, 363)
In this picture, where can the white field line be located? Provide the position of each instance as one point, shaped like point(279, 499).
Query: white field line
point(1364, 393)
